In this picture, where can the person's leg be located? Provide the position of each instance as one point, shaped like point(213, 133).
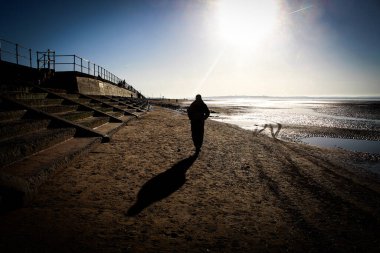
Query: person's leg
point(197, 131)
point(200, 134)
point(194, 132)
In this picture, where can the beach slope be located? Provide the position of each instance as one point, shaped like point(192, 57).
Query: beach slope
point(144, 191)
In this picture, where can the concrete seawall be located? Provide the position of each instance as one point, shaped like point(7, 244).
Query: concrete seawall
point(86, 84)
point(91, 86)
point(71, 81)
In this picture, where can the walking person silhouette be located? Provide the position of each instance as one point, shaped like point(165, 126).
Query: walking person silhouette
point(198, 112)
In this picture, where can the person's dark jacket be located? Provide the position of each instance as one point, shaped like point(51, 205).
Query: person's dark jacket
point(198, 111)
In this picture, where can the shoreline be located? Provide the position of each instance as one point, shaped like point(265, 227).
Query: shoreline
point(295, 133)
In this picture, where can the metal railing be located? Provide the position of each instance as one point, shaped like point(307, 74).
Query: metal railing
point(46, 60)
point(15, 53)
point(71, 62)
point(79, 64)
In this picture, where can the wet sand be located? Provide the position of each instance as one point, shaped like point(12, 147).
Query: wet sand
point(246, 192)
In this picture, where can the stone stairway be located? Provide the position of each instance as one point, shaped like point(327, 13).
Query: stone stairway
point(43, 129)
point(135, 102)
point(124, 104)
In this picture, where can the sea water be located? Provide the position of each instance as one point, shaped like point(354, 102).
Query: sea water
point(253, 113)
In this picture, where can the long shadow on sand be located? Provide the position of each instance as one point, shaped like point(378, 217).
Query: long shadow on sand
point(162, 185)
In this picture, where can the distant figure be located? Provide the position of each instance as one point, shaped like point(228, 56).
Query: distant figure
point(198, 112)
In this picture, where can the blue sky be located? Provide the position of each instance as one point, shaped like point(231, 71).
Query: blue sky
point(178, 48)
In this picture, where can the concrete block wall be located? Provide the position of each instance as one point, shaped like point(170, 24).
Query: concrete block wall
point(91, 86)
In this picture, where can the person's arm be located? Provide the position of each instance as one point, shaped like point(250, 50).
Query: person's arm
point(189, 112)
point(206, 112)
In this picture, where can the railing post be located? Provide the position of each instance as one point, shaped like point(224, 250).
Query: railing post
point(44, 60)
point(16, 53)
point(30, 57)
point(74, 62)
point(81, 65)
point(88, 67)
point(94, 69)
point(48, 52)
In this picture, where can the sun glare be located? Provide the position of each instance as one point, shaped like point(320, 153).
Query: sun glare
point(246, 23)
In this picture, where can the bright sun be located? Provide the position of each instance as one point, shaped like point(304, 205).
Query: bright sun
point(246, 23)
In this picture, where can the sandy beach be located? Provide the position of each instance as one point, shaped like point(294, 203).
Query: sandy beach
point(144, 191)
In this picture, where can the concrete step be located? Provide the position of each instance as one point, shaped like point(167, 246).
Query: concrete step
point(5, 105)
point(127, 101)
point(10, 115)
point(85, 101)
point(11, 129)
point(144, 104)
point(105, 109)
point(41, 102)
point(26, 95)
point(95, 104)
point(130, 100)
point(116, 114)
point(127, 108)
point(120, 110)
point(56, 90)
point(75, 115)
point(19, 147)
point(93, 122)
point(19, 181)
point(70, 95)
point(110, 102)
point(109, 128)
point(131, 107)
point(141, 104)
point(15, 88)
point(58, 108)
